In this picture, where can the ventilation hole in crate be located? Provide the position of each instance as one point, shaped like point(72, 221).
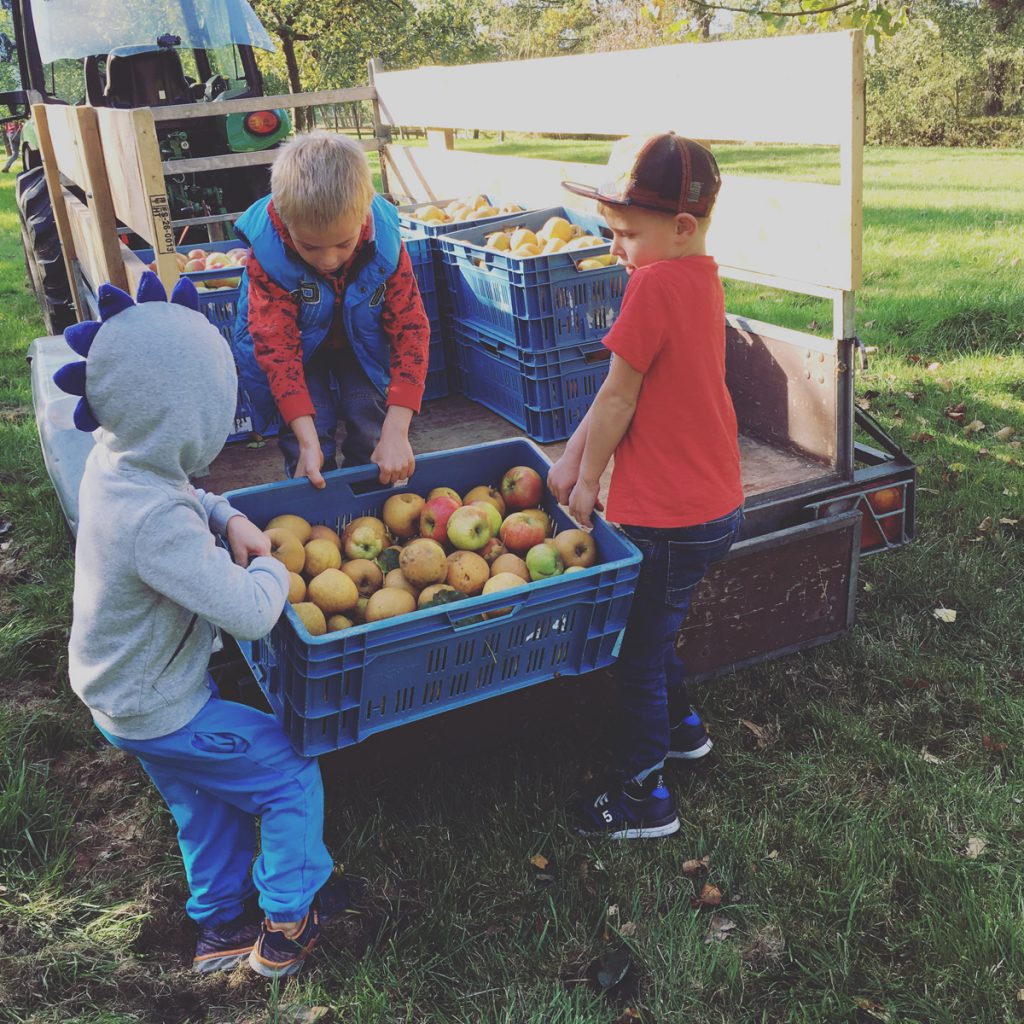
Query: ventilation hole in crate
point(510, 667)
point(563, 623)
point(464, 651)
point(459, 684)
point(437, 658)
point(381, 708)
point(536, 659)
point(432, 691)
point(516, 635)
point(404, 699)
point(484, 676)
point(559, 653)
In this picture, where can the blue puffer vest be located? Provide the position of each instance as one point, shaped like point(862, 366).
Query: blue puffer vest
point(361, 308)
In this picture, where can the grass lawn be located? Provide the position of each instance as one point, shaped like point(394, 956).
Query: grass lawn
point(867, 849)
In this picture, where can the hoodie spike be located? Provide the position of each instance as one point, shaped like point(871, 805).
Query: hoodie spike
point(151, 289)
point(71, 378)
point(185, 294)
point(111, 301)
point(84, 417)
point(80, 336)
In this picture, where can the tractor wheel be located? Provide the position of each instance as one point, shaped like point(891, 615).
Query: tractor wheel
point(43, 257)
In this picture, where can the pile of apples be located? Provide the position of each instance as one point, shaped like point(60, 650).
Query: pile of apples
point(557, 235)
point(423, 552)
point(460, 210)
point(200, 259)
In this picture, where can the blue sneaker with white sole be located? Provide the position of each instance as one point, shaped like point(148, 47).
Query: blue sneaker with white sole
point(689, 740)
point(221, 947)
point(630, 810)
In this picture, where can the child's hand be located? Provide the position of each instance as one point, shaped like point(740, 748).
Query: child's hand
point(246, 540)
point(394, 457)
point(562, 479)
point(308, 465)
point(582, 503)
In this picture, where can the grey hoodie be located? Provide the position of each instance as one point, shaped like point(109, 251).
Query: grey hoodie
point(151, 583)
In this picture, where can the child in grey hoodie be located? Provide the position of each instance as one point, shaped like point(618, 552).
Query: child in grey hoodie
point(158, 387)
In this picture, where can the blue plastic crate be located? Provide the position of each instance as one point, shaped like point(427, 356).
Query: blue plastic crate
point(537, 303)
point(412, 228)
point(546, 394)
point(437, 368)
point(335, 690)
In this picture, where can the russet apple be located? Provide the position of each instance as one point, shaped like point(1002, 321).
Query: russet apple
point(521, 487)
point(503, 581)
point(296, 524)
point(510, 564)
point(576, 547)
point(396, 578)
point(467, 572)
point(447, 492)
point(543, 561)
point(296, 588)
point(321, 532)
point(336, 623)
point(437, 593)
point(493, 550)
point(286, 548)
point(469, 527)
point(366, 575)
point(332, 592)
point(423, 562)
point(365, 537)
point(435, 515)
point(389, 602)
point(320, 555)
point(519, 533)
point(485, 493)
point(402, 514)
point(311, 617)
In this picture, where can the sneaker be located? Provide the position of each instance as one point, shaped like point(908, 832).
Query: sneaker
point(631, 810)
point(689, 741)
point(221, 947)
point(275, 955)
point(338, 896)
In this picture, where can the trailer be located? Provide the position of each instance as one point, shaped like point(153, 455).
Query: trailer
point(824, 484)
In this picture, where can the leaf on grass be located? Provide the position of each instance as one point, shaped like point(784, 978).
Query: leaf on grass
point(974, 427)
point(868, 324)
point(539, 861)
point(293, 1013)
point(1004, 521)
point(709, 896)
point(612, 968)
point(975, 847)
point(922, 437)
point(957, 467)
point(544, 869)
point(914, 396)
point(695, 867)
point(767, 947)
point(913, 359)
point(6, 526)
point(926, 755)
point(864, 403)
point(814, 326)
point(719, 929)
point(1004, 433)
point(957, 413)
point(628, 930)
point(932, 367)
point(870, 350)
point(873, 1009)
point(765, 736)
point(985, 525)
point(996, 746)
point(628, 1016)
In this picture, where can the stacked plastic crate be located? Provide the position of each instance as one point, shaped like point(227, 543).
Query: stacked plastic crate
point(421, 242)
point(527, 330)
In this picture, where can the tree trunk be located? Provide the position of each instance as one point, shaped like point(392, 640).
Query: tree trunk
point(294, 79)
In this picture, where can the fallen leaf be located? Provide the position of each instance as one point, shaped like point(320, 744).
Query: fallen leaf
point(773, 854)
point(913, 359)
point(914, 396)
point(814, 326)
point(985, 525)
point(870, 323)
point(628, 930)
point(975, 847)
point(544, 869)
point(926, 755)
point(956, 413)
point(974, 427)
point(767, 947)
point(539, 861)
point(1003, 521)
point(870, 350)
point(628, 1016)
point(1004, 434)
point(932, 367)
point(863, 403)
point(956, 467)
point(612, 968)
point(944, 614)
point(709, 896)
point(876, 1010)
point(996, 746)
point(1020, 995)
point(695, 867)
point(922, 438)
point(764, 736)
point(292, 1013)
point(718, 929)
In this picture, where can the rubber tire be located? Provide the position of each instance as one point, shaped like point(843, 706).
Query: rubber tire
point(44, 259)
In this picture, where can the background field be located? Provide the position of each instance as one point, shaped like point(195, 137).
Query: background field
point(867, 845)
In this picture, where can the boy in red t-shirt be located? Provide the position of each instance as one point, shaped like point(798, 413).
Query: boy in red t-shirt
point(665, 413)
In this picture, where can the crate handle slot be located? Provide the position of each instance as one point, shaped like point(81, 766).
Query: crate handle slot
point(469, 622)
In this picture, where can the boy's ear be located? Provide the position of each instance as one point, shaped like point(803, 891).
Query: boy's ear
point(686, 225)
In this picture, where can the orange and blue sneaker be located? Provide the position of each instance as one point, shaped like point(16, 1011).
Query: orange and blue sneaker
point(221, 947)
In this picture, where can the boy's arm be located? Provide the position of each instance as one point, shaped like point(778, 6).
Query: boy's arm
point(405, 322)
point(177, 557)
point(245, 539)
point(609, 416)
point(565, 472)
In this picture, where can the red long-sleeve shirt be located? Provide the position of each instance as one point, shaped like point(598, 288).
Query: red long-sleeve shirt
point(273, 324)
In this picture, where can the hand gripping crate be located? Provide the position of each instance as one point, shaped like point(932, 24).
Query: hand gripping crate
point(335, 690)
point(539, 302)
point(545, 393)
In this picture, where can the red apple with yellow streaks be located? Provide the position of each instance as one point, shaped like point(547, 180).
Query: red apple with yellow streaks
point(435, 515)
point(521, 487)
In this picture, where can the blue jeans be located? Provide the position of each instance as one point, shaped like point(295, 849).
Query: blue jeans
point(340, 391)
point(651, 691)
point(227, 767)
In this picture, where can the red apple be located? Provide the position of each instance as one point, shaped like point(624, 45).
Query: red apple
point(521, 487)
point(520, 532)
point(434, 517)
point(576, 547)
point(469, 527)
point(492, 551)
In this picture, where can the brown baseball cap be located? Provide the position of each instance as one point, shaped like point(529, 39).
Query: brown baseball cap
point(664, 172)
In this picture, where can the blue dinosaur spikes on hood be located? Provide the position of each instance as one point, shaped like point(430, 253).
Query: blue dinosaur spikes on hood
point(157, 383)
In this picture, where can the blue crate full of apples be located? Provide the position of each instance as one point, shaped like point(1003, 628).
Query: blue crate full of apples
point(468, 582)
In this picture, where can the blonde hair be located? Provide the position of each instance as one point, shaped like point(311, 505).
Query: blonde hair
point(319, 177)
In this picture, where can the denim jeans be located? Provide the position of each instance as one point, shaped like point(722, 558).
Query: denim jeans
point(340, 391)
point(651, 692)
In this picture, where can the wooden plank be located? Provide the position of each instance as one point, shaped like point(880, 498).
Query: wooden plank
point(63, 127)
point(796, 233)
point(216, 163)
point(85, 236)
point(134, 268)
point(379, 131)
point(851, 161)
point(219, 108)
point(54, 187)
point(789, 89)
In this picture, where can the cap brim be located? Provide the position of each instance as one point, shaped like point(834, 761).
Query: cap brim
point(595, 193)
